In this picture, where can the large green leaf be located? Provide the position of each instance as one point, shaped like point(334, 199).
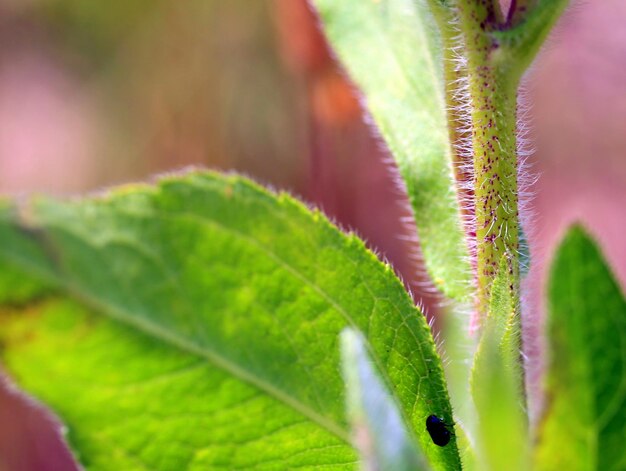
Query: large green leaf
point(252, 287)
point(585, 420)
point(392, 51)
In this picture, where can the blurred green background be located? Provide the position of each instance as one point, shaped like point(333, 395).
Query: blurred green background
point(94, 94)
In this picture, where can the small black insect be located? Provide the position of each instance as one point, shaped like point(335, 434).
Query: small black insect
point(438, 430)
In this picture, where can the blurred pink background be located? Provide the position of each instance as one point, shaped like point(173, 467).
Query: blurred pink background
point(97, 93)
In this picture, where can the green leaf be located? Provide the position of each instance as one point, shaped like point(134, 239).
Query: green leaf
point(377, 427)
point(392, 51)
point(585, 417)
point(497, 386)
point(253, 285)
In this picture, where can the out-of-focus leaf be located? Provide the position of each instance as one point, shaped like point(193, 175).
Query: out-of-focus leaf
point(585, 417)
point(251, 287)
point(377, 426)
point(497, 386)
point(391, 50)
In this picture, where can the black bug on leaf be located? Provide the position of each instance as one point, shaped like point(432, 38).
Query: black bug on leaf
point(438, 430)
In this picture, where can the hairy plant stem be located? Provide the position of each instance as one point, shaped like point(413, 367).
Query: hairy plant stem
point(492, 91)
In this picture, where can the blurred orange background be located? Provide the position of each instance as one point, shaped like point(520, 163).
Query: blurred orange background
point(93, 94)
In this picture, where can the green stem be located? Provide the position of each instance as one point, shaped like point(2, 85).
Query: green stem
point(493, 99)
